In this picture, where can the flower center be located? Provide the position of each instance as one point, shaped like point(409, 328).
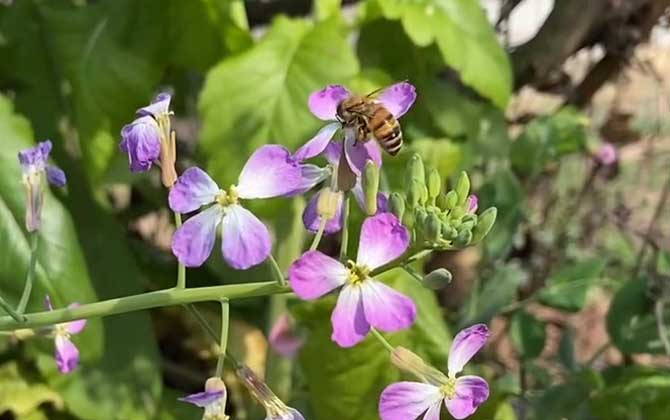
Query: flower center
point(357, 273)
point(449, 388)
point(228, 198)
point(61, 331)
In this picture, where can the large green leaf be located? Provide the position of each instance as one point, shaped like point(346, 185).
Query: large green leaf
point(568, 288)
point(635, 392)
point(260, 96)
point(20, 395)
point(345, 384)
point(465, 38)
point(499, 291)
point(528, 334)
point(630, 321)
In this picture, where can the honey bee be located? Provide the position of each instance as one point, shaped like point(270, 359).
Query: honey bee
point(368, 117)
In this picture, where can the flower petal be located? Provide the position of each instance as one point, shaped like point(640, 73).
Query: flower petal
point(471, 392)
point(359, 195)
point(67, 354)
point(76, 326)
point(349, 324)
point(398, 98)
point(287, 414)
point(311, 175)
point(269, 172)
point(465, 345)
point(245, 239)
point(283, 338)
point(473, 203)
point(193, 189)
point(47, 303)
point(312, 220)
point(333, 152)
point(317, 144)
point(324, 102)
point(141, 139)
point(159, 105)
point(56, 176)
point(35, 158)
point(314, 274)
point(386, 308)
point(203, 399)
point(408, 400)
point(433, 412)
point(358, 153)
point(383, 239)
point(193, 242)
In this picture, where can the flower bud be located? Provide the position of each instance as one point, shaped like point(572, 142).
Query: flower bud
point(328, 203)
point(370, 187)
point(448, 232)
point(472, 203)
point(484, 224)
point(415, 193)
point(434, 184)
point(463, 188)
point(416, 170)
point(432, 227)
point(420, 217)
point(437, 279)
point(451, 200)
point(408, 219)
point(463, 239)
point(397, 205)
point(424, 195)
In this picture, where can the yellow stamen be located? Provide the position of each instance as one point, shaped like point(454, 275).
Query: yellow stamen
point(449, 388)
point(357, 273)
point(228, 198)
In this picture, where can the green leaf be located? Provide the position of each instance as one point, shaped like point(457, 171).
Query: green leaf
point(636, 393)
point(345, 383)
point(568, 288)
point(630, 321)
point(260, 96)
point(324, 9)
point(499, 291)
point(528, 334)
point(465, 38)
point(569, 400)
point(21, 396)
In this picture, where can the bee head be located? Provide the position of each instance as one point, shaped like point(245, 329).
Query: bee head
point(343, 112)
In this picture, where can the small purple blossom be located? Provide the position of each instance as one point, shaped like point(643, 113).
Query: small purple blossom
point(461, 395)
point(473, 204)
point(66, 354)
point(607, 154)
point(397, 98)
point(283, 338)
point(35, 167)
point(212, 399)
point(269, 172)
point(363, 301)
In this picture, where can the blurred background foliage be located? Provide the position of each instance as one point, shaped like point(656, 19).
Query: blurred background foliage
point(573, 280)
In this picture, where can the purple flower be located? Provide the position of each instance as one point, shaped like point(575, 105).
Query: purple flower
point(363, 301)
point(213, 399)
point(269, 172)
point(473, 204)
point(275, 409)
point(149, 140)
point(283, 338)
point(461, 396)
point(35, 167)
point(397, 98)
point(607, 154)
point(66, 354)
point(310, 215)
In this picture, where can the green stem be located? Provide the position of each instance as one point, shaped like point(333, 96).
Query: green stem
point(160, 298)
point(345, 230)
point(8, 308)
point(319, 234)
point(416, 276)
point(400, 262)
point(25, 297)
point(276, 271)
point(203, 322)
point(223, 343)
point(181, 269)
point(381, 339)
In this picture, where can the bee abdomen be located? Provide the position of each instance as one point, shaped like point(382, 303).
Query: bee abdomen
point(386, 130)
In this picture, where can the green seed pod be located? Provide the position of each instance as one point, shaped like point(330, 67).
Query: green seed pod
point(463, 188)
point(463, 239)
point(434, 185)
point(370, 184)
point(452, 200)
point(432, 227)
point(437, 279)
point(414, 193)
point(397, 205)
point(484, 224)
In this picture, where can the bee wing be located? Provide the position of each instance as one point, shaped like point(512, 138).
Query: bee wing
point(398, 98)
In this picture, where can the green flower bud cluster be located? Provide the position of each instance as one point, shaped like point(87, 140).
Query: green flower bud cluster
point(439, 220)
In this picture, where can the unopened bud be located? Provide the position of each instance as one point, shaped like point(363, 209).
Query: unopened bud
point(408, 219)
point(463, 239)
point(420, 216)
point(370, 187)
point(328, 203)
point(432, 227)
point(397, 205)
point(424, 195)
point(168, 158)
point(448, 232)
point(215, 384)
point(415, 193)
point(484, 224)
point(416, 170)
point(434, 184)
point(451, 200)
point(463, 188)
point(437, 279)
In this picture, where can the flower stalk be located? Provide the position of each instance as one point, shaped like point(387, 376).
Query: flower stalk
point(223, 338)
point(181, 268)
point(344, 245)
point(381, 339)
point(27, 289)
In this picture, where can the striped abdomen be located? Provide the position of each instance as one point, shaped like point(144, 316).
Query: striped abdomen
point(386, 129)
